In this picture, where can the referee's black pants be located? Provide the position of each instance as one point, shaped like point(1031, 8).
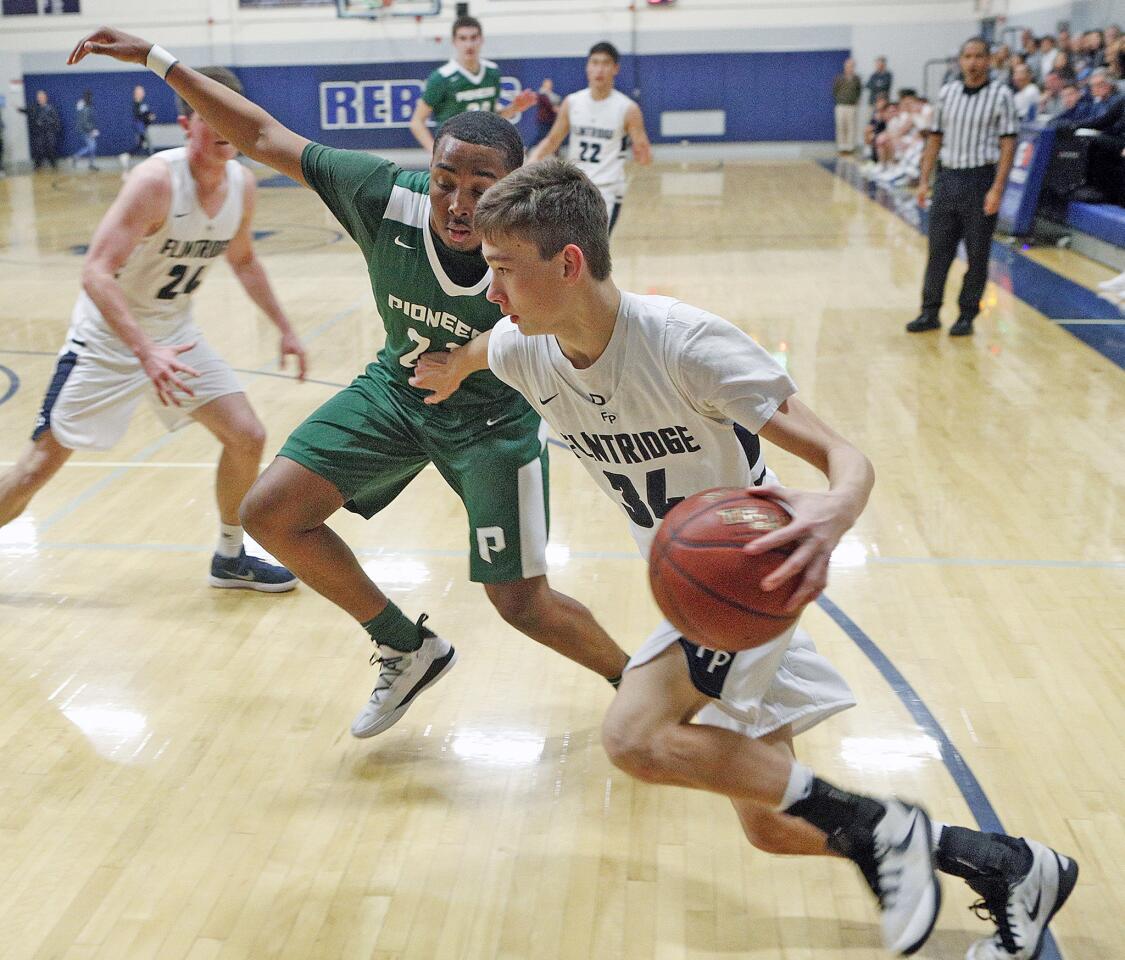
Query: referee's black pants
point(956, 214)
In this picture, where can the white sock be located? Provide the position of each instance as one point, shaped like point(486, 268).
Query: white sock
point(799, 786)
point(937, 829)
point(230, 540)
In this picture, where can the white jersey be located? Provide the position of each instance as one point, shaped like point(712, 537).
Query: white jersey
point(598, 139)
point(164, 270)
point(665, 429)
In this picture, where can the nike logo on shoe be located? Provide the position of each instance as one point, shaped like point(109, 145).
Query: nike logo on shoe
point(490, 422)
point(399, 243)
point(905, 844)
point(236, 575)
point(548, 400)
point(1034, 911)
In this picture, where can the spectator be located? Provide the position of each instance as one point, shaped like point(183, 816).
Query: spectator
point(1112, 34)
point(1001, 71)
point(846, 91)
point(1094, 48)
point(547, 107)
point(1101, 95)
point(1106, 169)
point(1051, 100)
point(88, 128)
point(142, 119)
point(880, 82)
point(1029, 46)
point(44, 127)
point(1027, 93)
point(1073, 108)
point(878, 123)
point(1047, 54)
point(1064, 40)
point(1063, 67)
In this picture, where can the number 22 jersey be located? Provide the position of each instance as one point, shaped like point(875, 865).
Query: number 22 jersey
point(653, 419)
point(164, 270)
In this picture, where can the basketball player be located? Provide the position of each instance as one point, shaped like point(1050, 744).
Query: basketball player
point(646, 391)
point(363, 446)
point(601, 122)
point(132, 334)
point(464, 83)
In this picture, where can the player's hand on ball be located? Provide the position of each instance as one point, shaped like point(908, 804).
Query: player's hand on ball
point(438, 373)
point(111, 43)
point(162, 365)
point(819, 521)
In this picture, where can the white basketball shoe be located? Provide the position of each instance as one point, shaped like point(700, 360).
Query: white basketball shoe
point(904, 879)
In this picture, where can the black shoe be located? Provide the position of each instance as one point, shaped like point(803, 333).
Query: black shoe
point(962, 328)
point(922, 323)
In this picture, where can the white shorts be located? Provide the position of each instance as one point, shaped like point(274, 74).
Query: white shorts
point(612, 197)
point(755, 692)
point(94, 392)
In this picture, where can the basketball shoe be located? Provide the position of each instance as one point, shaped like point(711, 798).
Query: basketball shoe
point(249, 573)
point(402, 676)
point(1022, 906)
point(896, 859)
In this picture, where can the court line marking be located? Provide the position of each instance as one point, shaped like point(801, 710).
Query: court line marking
point(967, 783)
point(1092, 322)
point(13, 383)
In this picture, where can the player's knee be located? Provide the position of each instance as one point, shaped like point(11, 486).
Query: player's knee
point(256, 515)
point(249, 438)
point(519, 605)
point(636, 753)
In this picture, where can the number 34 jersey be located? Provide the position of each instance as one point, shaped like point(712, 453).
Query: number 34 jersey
point(671, 407)
point(165, 269)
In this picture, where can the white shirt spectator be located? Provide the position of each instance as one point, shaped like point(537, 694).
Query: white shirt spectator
point(1027, 101)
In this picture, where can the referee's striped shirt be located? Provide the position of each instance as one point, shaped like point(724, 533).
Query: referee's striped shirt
point(972, 122)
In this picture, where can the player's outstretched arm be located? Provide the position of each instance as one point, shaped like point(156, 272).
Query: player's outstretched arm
point(139, 210)
point(523, 101)
point(635, 128)
point(442, 373)
point(246, 125)
point(550, 144)
point(252, 275)
point(819, 519)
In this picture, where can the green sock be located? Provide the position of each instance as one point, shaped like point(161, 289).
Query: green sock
point(393, 629)
point(614, 682)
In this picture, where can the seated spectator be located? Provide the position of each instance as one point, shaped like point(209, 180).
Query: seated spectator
point(875, 126)
point(1106, 156)
point(1001, 70)
point(1027, 93)
point(1074, 108)
point(1047, 54)
point(1100, 96)
point(1051, 99)
point(1062, 66)
point(904, 140)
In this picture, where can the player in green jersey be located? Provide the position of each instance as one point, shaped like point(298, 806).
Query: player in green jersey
point(466, 82)
point(362, 447)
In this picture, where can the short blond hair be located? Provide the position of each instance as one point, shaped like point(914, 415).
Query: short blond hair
point(551, 203)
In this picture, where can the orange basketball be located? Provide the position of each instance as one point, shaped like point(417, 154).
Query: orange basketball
point(703, 581)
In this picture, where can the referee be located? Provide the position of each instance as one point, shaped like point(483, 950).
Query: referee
point(974, 128)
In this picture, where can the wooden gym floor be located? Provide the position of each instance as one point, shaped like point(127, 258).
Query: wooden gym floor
point(178, 778)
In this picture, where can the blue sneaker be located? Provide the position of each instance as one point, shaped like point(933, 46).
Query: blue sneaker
point(249, 573)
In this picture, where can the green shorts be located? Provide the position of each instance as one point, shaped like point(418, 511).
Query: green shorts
point(370, 442)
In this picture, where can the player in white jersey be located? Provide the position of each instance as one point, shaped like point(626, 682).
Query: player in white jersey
point(647, 392)
point(132, 334)
point(601, 122)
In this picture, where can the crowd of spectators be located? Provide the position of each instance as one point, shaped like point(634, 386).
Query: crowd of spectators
point(1072, 82)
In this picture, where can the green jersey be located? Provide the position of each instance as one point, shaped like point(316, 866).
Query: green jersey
point(386, 211)
point(451, 90)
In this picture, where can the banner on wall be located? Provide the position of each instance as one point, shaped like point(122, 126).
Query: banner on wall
point(381, 104)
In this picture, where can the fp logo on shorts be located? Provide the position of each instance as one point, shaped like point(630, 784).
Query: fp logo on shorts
point(490, 540)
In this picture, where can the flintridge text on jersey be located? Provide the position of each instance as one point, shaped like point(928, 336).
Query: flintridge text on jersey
point(203, 249)
point(632, 447)
point(433, 318)
point(598, 133)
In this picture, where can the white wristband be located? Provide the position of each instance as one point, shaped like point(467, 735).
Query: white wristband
point(160, 61)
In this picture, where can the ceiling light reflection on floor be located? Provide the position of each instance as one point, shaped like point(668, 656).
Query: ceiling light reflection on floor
point(509, 748)
point(850, 552)
point(20, 536)
point(889, 754)
point(116, 733)
point(397, 571)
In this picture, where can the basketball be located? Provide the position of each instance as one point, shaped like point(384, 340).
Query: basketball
point(706, 584)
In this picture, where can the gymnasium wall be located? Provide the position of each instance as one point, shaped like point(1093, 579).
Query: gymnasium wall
point(766, 65)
